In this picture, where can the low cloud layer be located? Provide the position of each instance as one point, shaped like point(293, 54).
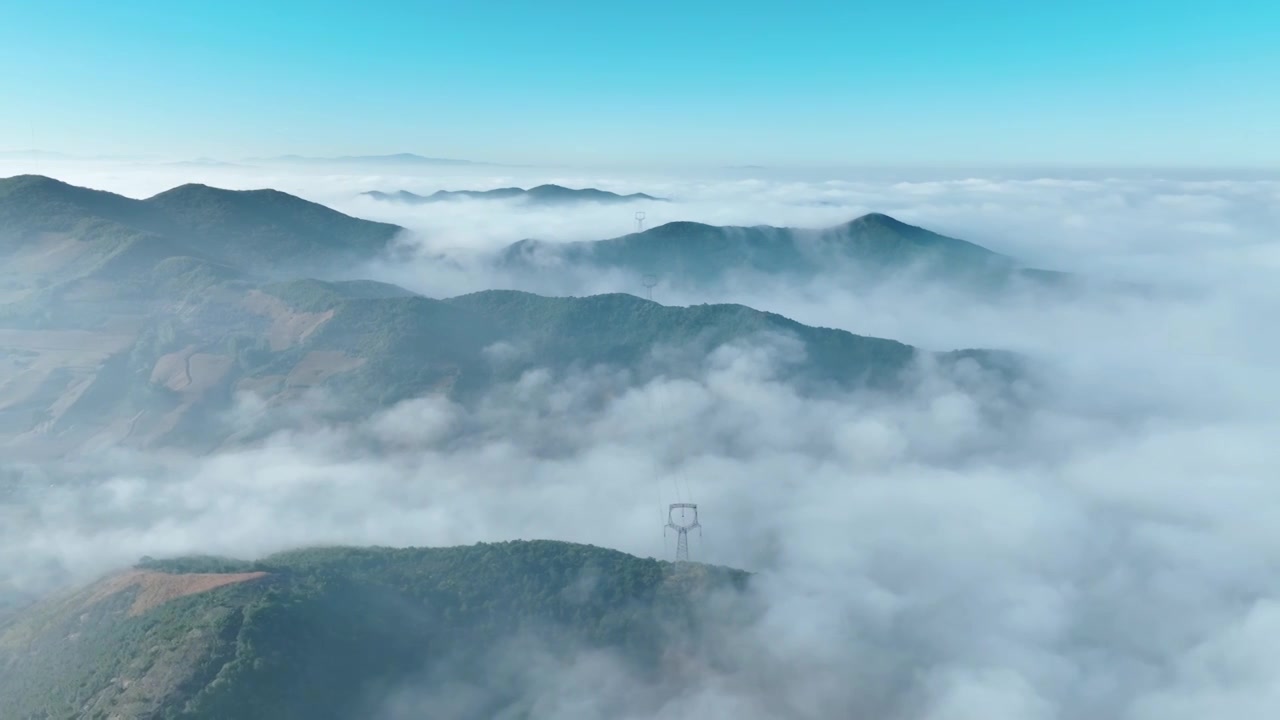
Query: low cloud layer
point(1107, 552)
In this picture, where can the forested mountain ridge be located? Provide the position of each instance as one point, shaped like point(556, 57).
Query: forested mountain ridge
point(865, 250)
point(42, 219)
point(331, 632)
point(160, 367)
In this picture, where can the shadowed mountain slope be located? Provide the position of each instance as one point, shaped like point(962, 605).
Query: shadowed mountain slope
point(249, 229)
point(158, 360)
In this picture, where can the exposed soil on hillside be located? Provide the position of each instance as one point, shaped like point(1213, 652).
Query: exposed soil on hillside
point(289, 327)
point(157, 588)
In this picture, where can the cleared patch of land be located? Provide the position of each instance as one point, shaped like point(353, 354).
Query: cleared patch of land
point(289, 327)
point(319, 365)
point(158, 588)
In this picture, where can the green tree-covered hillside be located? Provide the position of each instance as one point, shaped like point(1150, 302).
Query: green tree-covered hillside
point(332, 632)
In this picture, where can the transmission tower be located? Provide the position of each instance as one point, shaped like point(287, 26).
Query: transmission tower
point(649, 281)
point(682, 526)
point(639, 221)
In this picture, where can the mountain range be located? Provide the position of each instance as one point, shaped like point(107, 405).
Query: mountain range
point(866, 250)
point(50, 227)
point(140, 322)
point(540, 195)
point(394, 159)
point(340, 632)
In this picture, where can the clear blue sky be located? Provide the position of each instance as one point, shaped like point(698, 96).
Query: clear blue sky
point(1120, 82)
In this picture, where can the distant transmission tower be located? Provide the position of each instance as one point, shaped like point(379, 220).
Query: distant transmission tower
point(639, 221)
point(649, 282)
point(682, 527)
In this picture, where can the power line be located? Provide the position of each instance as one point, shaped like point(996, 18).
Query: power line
point(684, 504)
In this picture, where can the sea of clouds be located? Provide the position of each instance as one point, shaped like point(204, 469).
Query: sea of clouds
point(1112, 554)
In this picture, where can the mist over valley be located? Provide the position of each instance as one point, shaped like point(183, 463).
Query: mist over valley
point(454, 360)
point(231, 374)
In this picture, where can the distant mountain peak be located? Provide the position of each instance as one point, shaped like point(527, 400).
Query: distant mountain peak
point(398, 196)
point(32, 181)
point(29, 177)
point(394, 159)
point(877, 218)
point(60, 200)
point(678, 227)
point(268, 230)
point(189, 189)
point(547, 193)
point(196, 190)
point(877, 221)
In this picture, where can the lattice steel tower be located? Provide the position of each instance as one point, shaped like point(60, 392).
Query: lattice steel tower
point(639, 221)
point(682, 526)
point(649, 282)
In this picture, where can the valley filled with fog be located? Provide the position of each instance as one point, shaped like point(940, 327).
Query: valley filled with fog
point(1090, 535)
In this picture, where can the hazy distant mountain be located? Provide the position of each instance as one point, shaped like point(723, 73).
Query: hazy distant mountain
point(396, 159)
point(34, 154)
point(866, 249)
point(56, 155)
point(60, 227)
point(540, 195)
point(331, 633)
point(204, 163)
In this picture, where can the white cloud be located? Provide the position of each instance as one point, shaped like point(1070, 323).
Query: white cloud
point(1103, 547)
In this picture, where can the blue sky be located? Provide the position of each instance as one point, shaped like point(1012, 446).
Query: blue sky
point(987, 82)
